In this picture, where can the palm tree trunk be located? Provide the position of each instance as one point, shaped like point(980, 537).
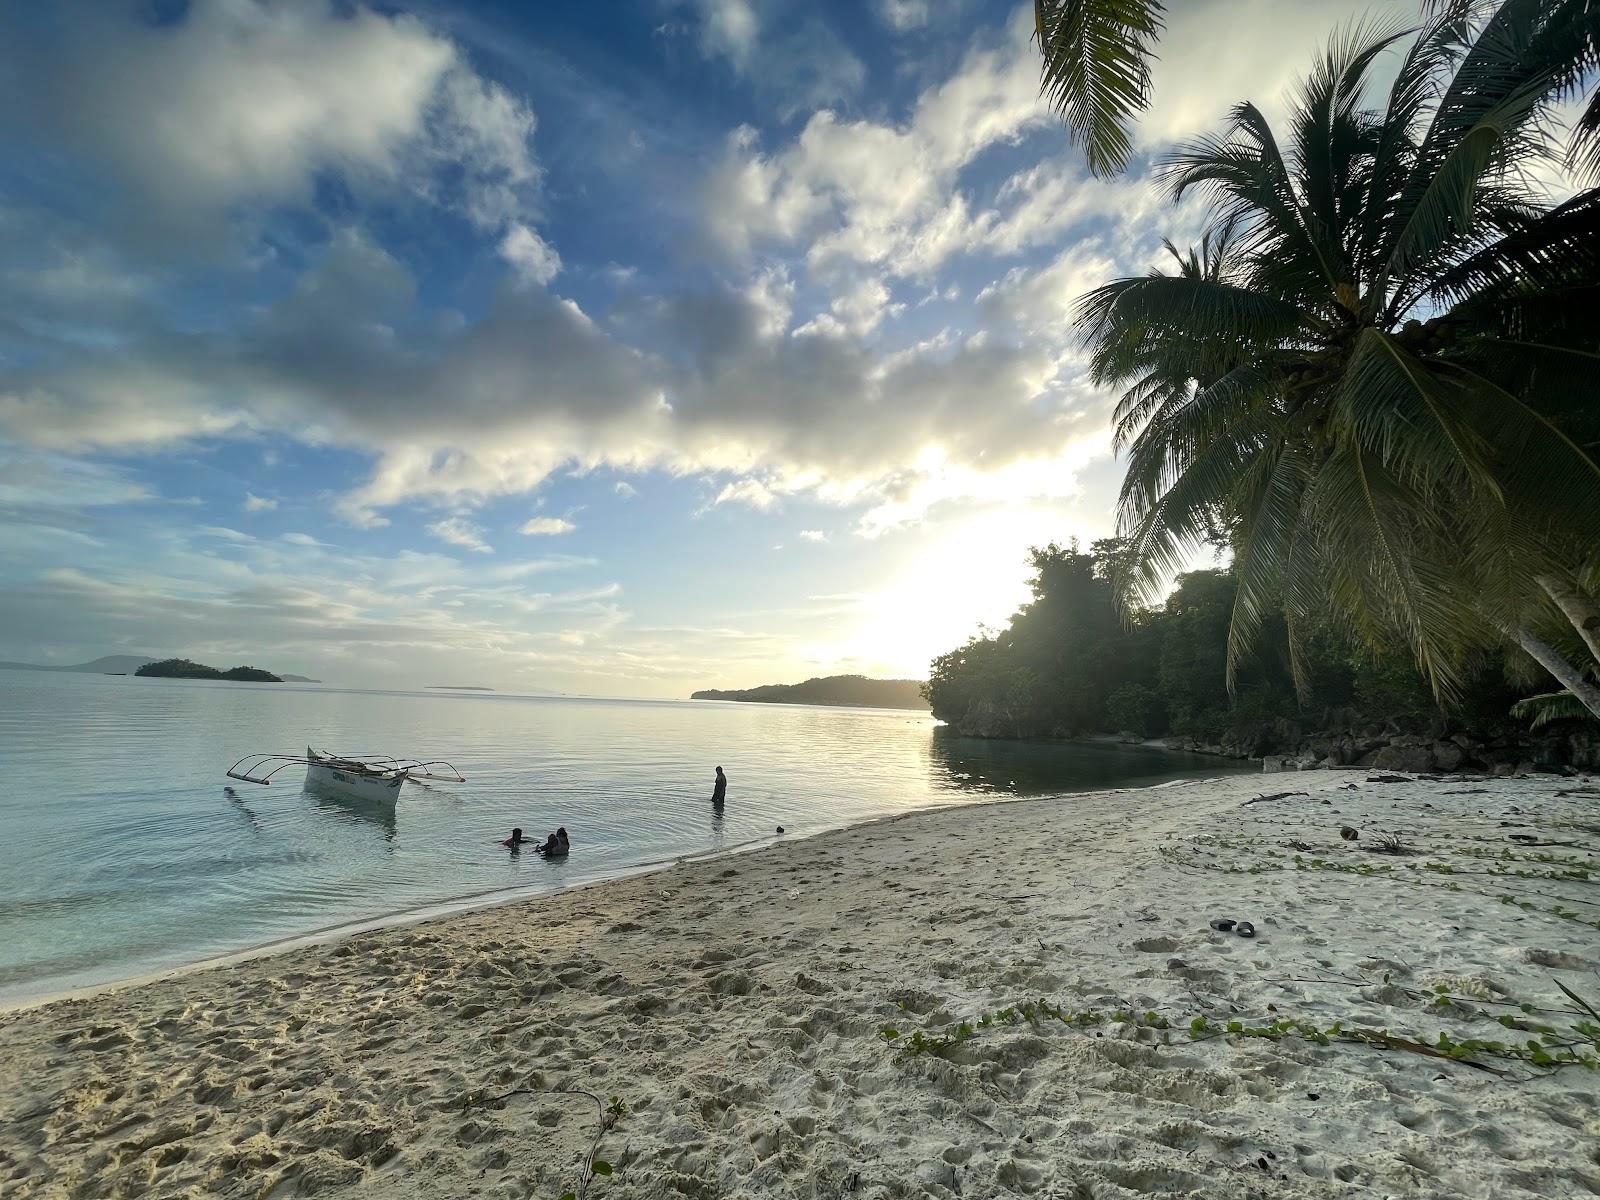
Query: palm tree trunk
point(1577, 606)
point(1567, 675)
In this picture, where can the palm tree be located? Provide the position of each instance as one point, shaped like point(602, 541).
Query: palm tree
point(1374, 368)
point(1097, 57)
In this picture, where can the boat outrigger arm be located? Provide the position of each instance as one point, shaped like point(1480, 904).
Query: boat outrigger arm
point(260, 768)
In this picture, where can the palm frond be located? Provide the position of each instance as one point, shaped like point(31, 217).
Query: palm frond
point(1096, 73)
point(1543, 709)
point(1375, 550)
point(1208, 319)
point(1486, 118)
point(1270, 511)
point(1541, 251)
point(1396, 406)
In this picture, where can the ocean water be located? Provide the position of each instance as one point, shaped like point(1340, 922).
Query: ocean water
point(121, 854)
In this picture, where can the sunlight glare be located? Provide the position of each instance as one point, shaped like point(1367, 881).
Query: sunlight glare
point(975, 574)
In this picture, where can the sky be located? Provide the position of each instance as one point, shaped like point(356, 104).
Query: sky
point(620, 349)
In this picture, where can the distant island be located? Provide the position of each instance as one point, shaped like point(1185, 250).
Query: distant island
point(169, 668)
point(110, 664)
point(851, 691)
point(182, 668)
point(456, 687)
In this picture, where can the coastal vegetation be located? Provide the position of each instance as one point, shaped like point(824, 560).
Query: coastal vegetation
point(1369, 384)
point(1071, 662)
point(183, 668)
point(853, 691)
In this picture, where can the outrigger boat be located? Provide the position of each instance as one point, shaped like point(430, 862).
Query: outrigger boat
point(374, 778)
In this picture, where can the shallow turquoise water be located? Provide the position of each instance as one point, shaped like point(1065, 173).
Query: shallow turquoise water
point(121, 854)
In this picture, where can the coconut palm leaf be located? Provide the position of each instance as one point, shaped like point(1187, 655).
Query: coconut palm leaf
point(1097, 56)
point(1270, 507)
point(1541, 710)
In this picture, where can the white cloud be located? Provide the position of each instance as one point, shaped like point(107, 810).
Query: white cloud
point(1044, 300)
point(876, 193)
point(356, 618)
point(255, 503)
point(729, 29)
point(453, 410)
point(750, 492)
point(813, 535)
point(625, 489)
point(771, 294)
point(534, 259)
point(456, 413)
point(787, 53)
point(547, 526)
point(31, 479)
point(901, 15)
point(459, 531)
point(1218, 52)
point(300, 539)
point(236, 105)
point(857, 310)
point(225, 534)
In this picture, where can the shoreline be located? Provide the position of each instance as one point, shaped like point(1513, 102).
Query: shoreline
point(737, 1003)
point(493, 898)
point(484, 901)
point(468, 902)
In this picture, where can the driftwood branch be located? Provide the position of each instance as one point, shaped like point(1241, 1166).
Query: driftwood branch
point(1266, 796)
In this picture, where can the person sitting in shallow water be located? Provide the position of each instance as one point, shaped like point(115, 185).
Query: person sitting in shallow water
point(557, 844)
point(516, 841)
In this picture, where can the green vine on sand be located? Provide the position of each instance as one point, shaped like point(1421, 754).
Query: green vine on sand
point(609, 1115)
point(1579, 1046)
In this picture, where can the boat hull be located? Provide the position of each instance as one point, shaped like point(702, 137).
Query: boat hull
point(372, 789)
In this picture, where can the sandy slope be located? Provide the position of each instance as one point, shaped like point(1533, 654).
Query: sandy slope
point(735, 1006)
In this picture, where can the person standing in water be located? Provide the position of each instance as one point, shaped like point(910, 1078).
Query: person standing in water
point(719, 790)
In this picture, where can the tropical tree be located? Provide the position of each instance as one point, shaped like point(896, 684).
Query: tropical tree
point(1376, 371)
point(1098, 55)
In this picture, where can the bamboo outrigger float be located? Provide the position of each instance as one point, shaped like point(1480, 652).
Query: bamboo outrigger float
point(374, 778)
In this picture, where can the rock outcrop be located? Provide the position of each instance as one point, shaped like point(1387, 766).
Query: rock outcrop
point(1286, 745)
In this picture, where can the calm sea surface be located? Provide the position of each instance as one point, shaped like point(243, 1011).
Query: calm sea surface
point(121, 854)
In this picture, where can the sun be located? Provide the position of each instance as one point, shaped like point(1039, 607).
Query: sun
point(973, 574)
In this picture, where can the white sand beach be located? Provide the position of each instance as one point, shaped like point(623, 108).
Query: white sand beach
point(736, 1006)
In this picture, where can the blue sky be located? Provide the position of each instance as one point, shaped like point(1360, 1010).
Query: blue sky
point(622, 349)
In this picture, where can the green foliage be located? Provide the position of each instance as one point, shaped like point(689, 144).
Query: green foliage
point(1370, 376)
point(1548, 707)
point(1136, 708)
point(178, 668)
point(182, 668)
point(1056, 663)
point(1066, 664)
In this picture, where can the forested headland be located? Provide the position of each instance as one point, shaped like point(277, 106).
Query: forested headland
point(853, 691)
point(1071, 664)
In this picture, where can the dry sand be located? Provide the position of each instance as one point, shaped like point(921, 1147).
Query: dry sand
point(735, 1006)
